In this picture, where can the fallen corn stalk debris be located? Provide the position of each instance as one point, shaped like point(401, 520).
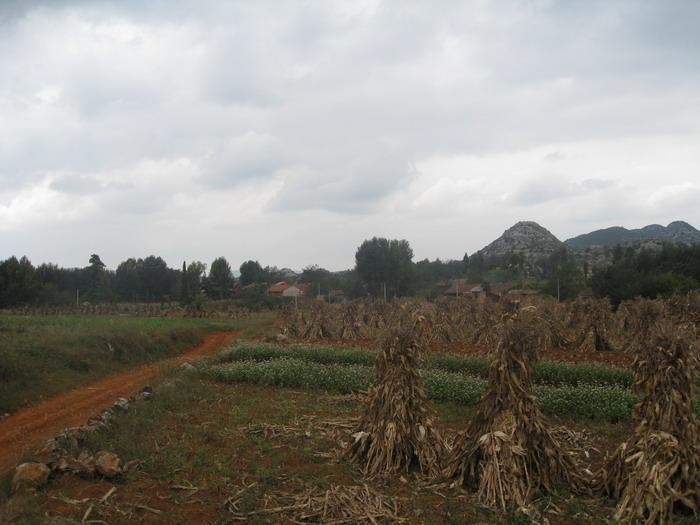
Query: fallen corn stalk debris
point(337, 505)
point(305, 426)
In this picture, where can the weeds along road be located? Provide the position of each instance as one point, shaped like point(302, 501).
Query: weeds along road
point(29, 427)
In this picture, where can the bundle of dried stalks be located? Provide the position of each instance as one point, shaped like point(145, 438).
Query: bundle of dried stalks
point(396, 430)
point(658, 470)
point(594, 336)
point(509, 451)
point(638, 319)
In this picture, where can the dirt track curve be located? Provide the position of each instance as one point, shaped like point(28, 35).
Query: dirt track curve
point(28, 427)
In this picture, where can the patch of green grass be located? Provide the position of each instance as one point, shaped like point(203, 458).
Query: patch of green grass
point(41, 356)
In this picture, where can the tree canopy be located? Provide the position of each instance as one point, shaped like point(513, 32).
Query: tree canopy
point(383, 262)
point(219, 283)
point(251, 272)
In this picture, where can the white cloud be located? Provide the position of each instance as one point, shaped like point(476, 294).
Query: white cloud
point(260, 125)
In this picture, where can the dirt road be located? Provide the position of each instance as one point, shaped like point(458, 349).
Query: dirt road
point(28, 427)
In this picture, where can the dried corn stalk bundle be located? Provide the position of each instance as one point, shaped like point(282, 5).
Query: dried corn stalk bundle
point(638, 319)
point(350, 327)
point(685, 309)
point(509, 451)
point(594, 335)
point(658, 470)
point(396, 430)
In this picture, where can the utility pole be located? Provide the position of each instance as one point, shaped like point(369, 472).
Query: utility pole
point(77, 297)
point(384, 285)
point(558, 298)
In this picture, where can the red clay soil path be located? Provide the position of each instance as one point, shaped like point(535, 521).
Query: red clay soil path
point(28, 427)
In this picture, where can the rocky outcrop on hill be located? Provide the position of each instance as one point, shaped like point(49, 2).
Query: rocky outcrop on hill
point(676, 232)
point(526, 238)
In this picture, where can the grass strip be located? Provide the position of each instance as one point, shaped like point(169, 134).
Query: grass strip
point(41, 356)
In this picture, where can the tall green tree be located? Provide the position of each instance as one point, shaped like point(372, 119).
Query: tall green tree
point(220, 279)
point(383, 262)
point(98, 288)
point(252, 272)
point(127, 280)
point(565, 277)
point(185, 295)
point(196, 271)
point(18, 284)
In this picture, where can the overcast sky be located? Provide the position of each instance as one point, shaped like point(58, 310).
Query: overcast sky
point(288, 132)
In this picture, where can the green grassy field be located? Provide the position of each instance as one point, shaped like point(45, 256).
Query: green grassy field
point(41, 356)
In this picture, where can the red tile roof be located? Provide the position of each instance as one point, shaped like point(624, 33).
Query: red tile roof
point(278, 287)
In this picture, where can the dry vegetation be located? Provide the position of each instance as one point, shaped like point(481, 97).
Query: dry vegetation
point(508, 452)
point(657, 471)
point(396, 429)
point(388, 451)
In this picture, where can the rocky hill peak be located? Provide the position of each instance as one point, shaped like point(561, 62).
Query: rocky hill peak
point(526, 238)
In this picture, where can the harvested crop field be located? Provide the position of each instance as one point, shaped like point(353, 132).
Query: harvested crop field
point(398, 429)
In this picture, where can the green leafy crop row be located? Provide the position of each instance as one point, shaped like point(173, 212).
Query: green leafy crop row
point(594, 402)
point(548, 372)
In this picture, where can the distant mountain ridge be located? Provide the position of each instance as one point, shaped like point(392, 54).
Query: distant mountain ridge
point(676, 232)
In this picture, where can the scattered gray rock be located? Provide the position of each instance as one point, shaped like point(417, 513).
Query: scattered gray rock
point(63, 453)
point(187, 366)
point(83, 465)
point(121, 404)
point(30, 476)
point(281, 338)
point(145, 393)
point(108, 464)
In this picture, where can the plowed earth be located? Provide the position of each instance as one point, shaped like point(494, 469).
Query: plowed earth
point(28, 427)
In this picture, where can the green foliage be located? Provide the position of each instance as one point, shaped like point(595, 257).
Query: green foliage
point(297, 373)
point(252, 272)
point(675, 269)
point(147, 279)
point(564, 276)
point(428, 273)
point(185, 294)
point(380, 262)
point(586, 401)
point(219, 283)
point(42, 356)
point(546, 373)
point(18, 283)
point(593, 402)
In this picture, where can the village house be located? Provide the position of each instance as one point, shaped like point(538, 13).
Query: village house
point(283, 289)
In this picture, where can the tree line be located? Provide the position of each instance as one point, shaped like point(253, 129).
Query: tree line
point(383, 267)
point(146, 279)
point(673, 269)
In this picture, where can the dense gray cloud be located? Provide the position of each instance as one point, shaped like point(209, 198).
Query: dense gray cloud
point(175, 126)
